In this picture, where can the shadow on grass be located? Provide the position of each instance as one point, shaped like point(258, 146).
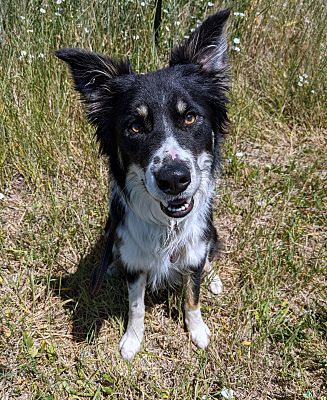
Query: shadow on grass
point(87, 313)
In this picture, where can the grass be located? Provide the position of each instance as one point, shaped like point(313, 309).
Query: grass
point(269, 326)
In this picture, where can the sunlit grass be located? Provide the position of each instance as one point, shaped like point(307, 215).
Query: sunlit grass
point(269, 327)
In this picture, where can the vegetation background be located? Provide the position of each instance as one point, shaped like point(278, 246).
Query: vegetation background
point(269, 326)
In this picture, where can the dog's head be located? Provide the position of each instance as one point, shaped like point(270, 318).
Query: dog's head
point(161, 130)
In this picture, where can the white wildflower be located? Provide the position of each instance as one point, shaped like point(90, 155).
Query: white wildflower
point(142, 3)
point(236, 48)
point(210, 4)
point(239, 14)
point(239, 154)
point(167, 28)
point(237, 40)
point(57, 14)
point(58, 1)
point(30, 58)
point(23, 53)
point(303, 80)
point(41, 55)
point(227, 393)
point(2, 196)
point(42, 11)
point(22, 17)
point(312, 91)
point(86, 30)
point(30, 30)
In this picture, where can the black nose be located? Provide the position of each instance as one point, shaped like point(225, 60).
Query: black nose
point(173, 178)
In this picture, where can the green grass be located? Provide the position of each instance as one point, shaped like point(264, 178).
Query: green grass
point(269, 326)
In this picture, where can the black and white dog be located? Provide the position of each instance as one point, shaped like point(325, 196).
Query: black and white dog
point(162, 132)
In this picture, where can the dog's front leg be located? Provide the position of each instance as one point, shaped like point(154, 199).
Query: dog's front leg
point(131, 341)
point(198, 329)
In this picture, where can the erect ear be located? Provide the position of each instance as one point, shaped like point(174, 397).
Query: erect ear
point(93, 74)
point(207, 45)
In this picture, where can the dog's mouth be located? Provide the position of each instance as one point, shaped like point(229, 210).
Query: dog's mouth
point(178, 208)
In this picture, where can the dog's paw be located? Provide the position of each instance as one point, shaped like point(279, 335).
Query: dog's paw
point(200, 335)
point(129, 345)
point(199, 331)
point(215, 285)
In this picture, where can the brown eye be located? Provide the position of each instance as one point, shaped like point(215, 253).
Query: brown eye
point(189, 119)
point(136, 127)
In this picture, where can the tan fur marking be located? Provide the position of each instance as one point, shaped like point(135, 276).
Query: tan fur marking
point(207, 267)
point(189, 298)
point(181, 106)
point(143, 111)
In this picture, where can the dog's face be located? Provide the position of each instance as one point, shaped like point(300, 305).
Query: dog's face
point(161, 130)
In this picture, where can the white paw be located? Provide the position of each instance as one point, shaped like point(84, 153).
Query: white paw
point(200, 335)
point(198, 329)
point(130, 344)
point(215, 285)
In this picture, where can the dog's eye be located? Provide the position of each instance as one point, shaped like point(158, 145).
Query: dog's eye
point(189, 118)
point(136, 127)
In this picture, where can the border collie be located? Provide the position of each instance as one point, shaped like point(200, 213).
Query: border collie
point(162, 132)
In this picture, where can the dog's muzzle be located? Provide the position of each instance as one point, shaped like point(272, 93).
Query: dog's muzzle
point(173, 179)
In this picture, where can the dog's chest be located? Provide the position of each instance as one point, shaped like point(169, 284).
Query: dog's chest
point(163, 252)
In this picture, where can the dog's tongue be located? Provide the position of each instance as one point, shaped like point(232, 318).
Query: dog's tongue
point(177, 202)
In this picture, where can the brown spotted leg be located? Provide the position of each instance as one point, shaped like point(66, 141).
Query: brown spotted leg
point(198, 329)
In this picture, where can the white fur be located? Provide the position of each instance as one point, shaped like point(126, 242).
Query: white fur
point(215, 284)
point(130, 343)
point(152, 242)
point(199, 331)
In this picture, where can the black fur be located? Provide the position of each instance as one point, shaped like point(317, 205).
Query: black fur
point(198, 73)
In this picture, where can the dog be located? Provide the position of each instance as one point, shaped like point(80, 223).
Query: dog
point(162, 133)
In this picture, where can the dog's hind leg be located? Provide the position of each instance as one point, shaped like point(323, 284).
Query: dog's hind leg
point(199, 331)
point(130, 343)
point(215, 284)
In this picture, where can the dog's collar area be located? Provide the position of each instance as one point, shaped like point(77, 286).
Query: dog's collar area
point(178, 208)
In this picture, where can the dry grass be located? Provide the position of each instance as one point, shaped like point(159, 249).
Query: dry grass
point(269, 326)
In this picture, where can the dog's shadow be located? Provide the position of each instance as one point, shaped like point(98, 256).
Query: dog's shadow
point(88, 313)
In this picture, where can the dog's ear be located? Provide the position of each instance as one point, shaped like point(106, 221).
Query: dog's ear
point(207, 45)
point(93, 74)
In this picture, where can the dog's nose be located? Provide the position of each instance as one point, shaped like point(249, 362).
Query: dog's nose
point(173, 178)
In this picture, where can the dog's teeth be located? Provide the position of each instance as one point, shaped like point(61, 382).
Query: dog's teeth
point(186, 205)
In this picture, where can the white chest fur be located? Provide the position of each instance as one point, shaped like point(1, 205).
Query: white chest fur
point(163, 251)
